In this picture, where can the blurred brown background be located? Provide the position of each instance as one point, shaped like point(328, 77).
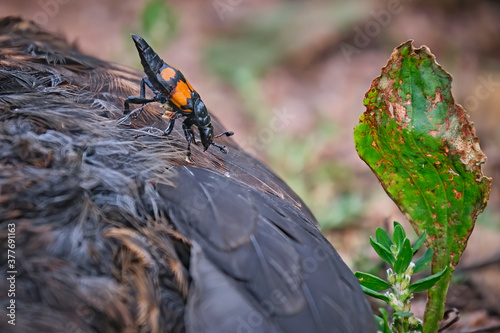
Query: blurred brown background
point(289, 78)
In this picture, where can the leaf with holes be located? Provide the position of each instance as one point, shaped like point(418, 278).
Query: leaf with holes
point(423, 148)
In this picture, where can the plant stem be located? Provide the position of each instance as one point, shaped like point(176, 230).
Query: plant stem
point(434, 309)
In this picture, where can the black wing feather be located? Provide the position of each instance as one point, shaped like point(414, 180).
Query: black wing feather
point(295, 283)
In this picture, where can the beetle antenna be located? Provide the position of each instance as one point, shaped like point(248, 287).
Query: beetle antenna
point(226, 133)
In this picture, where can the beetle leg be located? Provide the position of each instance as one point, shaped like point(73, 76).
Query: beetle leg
point(170, 126)
point(222, 148)
point(189, 134)
point(137, 100)
point(196, 141)
point(145, 81)
point(142, 98)
point(171, 116)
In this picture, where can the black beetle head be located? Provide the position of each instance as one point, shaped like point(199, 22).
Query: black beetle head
point(206, 135)
point(202, 120)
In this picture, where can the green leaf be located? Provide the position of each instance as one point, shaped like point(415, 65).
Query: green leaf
point(399, 235)
point(402, 314)
point(383, 322)
point(384, 314)
point(371, 281)
point(380, 323)
point(426, 283)
point(418, 328)
point(383, 238)
point(423, 149)
point(423, 261)
point(375, 294)
point(419, 242)
point(404, 258)
point(159, 22)
point(383, 253)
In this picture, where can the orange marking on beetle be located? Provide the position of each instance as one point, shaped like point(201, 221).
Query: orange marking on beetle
point(181, 94)
point(168, 73)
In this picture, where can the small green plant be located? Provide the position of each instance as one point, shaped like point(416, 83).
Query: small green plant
point(398, 253)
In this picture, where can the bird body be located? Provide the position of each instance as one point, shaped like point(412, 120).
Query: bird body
point(116, 232)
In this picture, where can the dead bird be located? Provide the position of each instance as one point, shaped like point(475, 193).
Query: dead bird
point(113, 231)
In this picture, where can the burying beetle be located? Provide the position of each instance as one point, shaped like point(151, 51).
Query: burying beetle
point(177, 97)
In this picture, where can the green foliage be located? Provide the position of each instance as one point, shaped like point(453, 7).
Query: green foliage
point(419, 242)
point(159, 21)
point(251, 46)
point(282, 30)
point(399, 253)
point(424, 260)
point(383, 238)
point(375, 294)
point(372, 282)
point(384, 253)
point(423, 149)
point(383, 322)
point(426, 283)
point(404, 257)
